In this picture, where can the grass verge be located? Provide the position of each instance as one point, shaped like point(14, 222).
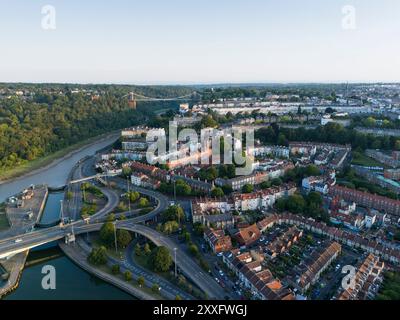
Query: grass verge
point(46, 160)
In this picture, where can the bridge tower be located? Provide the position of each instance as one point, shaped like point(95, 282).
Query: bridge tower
point(132, 100)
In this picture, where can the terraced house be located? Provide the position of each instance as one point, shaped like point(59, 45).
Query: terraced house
point(309, 271)
point(217, 240)
point(256, 278)
point(368, 279)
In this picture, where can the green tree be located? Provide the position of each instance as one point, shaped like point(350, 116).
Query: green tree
point(198, 228)
point(138, 250)
point(194, 250)
point(280, 205)
point(160, 259)
point(98, 256)
point(133, 196)
point(126, 171)
point(186, 236)
point(314, 198)
point(370, 122)
point(208, 122)
point(248, 188)
point(265, 185)
point(123, 238)
point(217, 192)
point(209, 174)
point(107, 235)
point(143, 203)
point(147, 249)
point(140, 281)
point(115, 269)
point(227, 189)
point(276, 182)
point(182, 188)
point(110, 217)
point(155, 288)
point(127, 275)
point(70, 195)
point(170, 227)
point(312, 170)
point(296, 203)
point(173, 213)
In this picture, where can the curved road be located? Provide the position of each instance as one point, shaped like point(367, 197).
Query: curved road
point(190, 268)
point(166, 287)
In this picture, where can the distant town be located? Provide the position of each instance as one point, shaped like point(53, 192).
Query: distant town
point(321, 200)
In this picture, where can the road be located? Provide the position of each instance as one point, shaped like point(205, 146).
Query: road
point(167, 289)
point(162, 201)
point(187, 265)
point(79, 256)
point(184, 262)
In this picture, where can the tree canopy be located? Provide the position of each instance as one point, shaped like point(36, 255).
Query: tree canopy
point(160, 259)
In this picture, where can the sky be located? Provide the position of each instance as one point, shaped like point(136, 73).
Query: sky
point(200, 41)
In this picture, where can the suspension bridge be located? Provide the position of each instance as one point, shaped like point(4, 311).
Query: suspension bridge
point(134, 97)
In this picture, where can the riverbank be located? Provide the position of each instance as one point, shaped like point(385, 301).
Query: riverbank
point(14, 267)
point(79, 256)
point(44, 163)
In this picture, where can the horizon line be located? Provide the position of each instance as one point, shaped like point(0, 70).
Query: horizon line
point(259, 83)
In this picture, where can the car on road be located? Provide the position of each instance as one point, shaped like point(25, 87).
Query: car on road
point(18, 240)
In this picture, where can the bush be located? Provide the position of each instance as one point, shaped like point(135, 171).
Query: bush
point(140, 281)
point(155, 288)
point(127, 275)
point(115, 269)
point(138, 250)
point(143, 203)
point(147, 249)
point(194, 250)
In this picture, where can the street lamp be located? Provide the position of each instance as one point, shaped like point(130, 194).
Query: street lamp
point(115, 237)
point(84, 194)
point(129, 198)
point(61, 212)
point(175, 259)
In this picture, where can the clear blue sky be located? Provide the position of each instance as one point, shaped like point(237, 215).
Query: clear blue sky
point(199, 41)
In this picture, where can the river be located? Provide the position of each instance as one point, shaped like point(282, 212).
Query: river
point(51, 213)
point(54, 175)
point(72, 282)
